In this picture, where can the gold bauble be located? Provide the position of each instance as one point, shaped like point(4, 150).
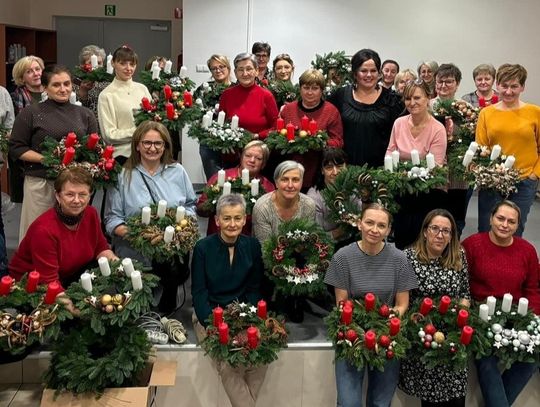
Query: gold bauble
point(183, 222)
point(109, 308)
point(302, 133)
point(438, 337)
point(118, 299)
point(119, 308)
point(36, 325)
point(106, 299)
point(283, 132)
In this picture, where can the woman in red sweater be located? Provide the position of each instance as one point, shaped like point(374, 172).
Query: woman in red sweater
point(499, 263)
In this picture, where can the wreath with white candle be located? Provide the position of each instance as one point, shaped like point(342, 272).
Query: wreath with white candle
point(297, 141)
point(366, 333)
point(244, 336)
point(165, 235)
point(86, 73)
point(178, 83)
point(297, 258)
point(87, 152)
point(225, 138)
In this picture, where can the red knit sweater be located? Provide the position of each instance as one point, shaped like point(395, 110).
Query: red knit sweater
point(496, 270)
point(255, 107)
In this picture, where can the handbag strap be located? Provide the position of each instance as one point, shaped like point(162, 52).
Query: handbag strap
point(152, 195)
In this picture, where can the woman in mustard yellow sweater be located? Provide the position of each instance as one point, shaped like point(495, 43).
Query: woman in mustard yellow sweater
point(515, 126)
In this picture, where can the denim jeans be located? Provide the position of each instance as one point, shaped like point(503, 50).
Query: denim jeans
point(381, 385)
point(502, 389)
point(524, 198)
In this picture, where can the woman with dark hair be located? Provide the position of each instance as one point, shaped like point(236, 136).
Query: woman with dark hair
point(262, 51)
point(56, 117)
point(441, 269)
point(149, 175)
point(367, 110)
point(283, 67)
point(117, 102)
point(501, 262)
point(389, 70)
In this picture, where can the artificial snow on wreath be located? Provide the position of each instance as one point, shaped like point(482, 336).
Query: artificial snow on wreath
point(296, 259)
point(284, 91)
point(244, 335)
point(366, 333)
point(156, 78)
point(225, 137)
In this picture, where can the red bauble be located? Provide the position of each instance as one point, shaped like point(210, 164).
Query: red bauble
point(384, 341)
point(351, 335)
point(340, 335)
point(427, 344)
point(389, 354)
point(384, 311)
point(430, 329)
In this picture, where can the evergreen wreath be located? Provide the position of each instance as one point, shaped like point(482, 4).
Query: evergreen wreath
point(303, 141)
point(436, 334)
point(238, 351)
point(86, 73)
point(336, 69)
point(297, 258)
point(209, 92)
point(149, 239)
point(176, 83)
point(284, 91)
point(220, 138)
point(370, 337)
point(92, 156)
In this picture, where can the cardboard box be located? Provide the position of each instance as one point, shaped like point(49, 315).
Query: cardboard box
point(159, 373)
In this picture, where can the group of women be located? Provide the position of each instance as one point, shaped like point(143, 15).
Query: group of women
point(365, 121)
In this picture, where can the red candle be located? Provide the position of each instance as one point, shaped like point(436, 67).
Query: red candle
point(218, 316)
point(304, 123)
point(32, 282)
point(169, 107)
point(252, 337)
point(70, 140)
point(69, 155)
point(444, 304)
point(370, 339)
point(188, 99)
point(92, 141)
point(167, 91)
point(109, 164)
point(312, 127)
point(108, 152)
point(466, 335)
point(395, 325)
point(462, 318)
point(261, 309)
point(146, 104)
point(346, 314)
point(53, 289)
point(5, 285)
point(426, 306)
point(350, 303)
point(290, 131)
point(223, 329)
point(280, 123)
point(369, 301)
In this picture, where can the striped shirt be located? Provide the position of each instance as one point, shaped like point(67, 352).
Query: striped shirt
point(384, 274)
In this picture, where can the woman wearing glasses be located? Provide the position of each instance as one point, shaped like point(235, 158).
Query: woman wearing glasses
point(441, 269)
point(150, 174)
point(315, 108)
point(419, 131)
point(500, 262)
point(262, 51)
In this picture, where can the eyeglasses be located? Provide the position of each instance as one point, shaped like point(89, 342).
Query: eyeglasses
point(83, 196)
point(262, 55)
point(447, 82)
point(218, 68)
point(157, 144)
point(435, 230)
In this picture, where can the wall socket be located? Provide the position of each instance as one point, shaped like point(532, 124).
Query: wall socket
point(201, 68)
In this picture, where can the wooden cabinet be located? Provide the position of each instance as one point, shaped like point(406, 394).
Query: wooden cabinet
point(41, 43)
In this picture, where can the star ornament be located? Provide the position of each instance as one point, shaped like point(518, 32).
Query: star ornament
point(497, 345)
point(253, 309)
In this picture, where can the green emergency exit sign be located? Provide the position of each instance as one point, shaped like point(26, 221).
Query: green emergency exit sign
point(110, 10)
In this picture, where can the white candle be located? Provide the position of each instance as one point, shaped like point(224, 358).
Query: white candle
point(245, 176)
point(136, 280)
point(495, 152)
point(155, 64)
point(430, 160)
point(72, 98)
point(221, 118)
point(467, 158)
point(234, 122)
point(168, 66)
point(128, 266)
point(180, 213)
point(226, 188)
point(199, 102)
point(506, 302)
point(169, 234)
point(388, 163)
point(93, 62)
point(395, 158)
point(415, 157)
point(523, 305)
point(206, 120)
point(146, 212)
point(110, 69)
point(510, 160)
point(473, 146)
point(155, 73)
point(491, 302)
point(183, 72)
point(109, 58)
point(484, 312)
point(104, 267)
point(162, 208)
point(220, 178)
point(254, 187)
point(86, 282)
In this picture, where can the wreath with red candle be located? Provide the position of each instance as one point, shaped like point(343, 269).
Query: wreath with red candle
point(244, 335)
point(220, 138)
point(87, 152)
point(444, 333)
point(297, 258)
point(288, 139)
point(365, 333)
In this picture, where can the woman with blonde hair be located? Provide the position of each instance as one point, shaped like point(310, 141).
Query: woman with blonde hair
point(427, 71)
